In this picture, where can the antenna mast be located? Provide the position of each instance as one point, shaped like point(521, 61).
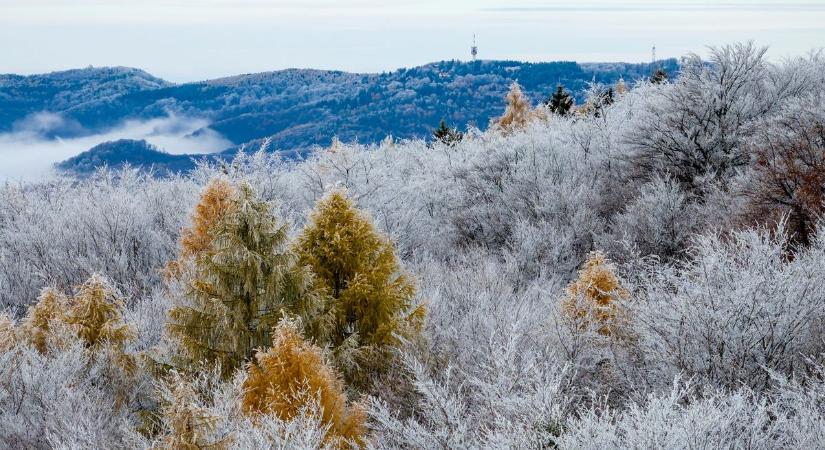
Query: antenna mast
point(474, 49)
point(653, 61)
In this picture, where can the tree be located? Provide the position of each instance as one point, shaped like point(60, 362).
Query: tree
point(592, 299)
point(561, 102)
point(95, 315)
point(659, 76)
point(215, 203)
point(517, 114)
point(243, 283)
point(446, 135)
point(694, 132)
point(189, 426)
point(788, 177)
point(291, 376)
point(367, 297)
point(42, 318)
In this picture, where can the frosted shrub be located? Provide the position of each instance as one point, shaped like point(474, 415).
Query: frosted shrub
point(737, 309)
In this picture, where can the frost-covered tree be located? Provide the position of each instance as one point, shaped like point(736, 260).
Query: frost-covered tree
point(367, 296)
point(243, 283)
point(594, 299)
point(518, 112)
point(291, 375)
point(695, 133)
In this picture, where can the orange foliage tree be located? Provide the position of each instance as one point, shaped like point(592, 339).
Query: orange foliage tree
point(291, 376)
point(592, 300)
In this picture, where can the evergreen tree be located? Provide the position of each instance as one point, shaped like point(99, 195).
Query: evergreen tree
point(367, 297)
point(659, 76)
point(561, 102)
point(291, 376)
point(244, 281)
point(446, 135)
point(517, 114)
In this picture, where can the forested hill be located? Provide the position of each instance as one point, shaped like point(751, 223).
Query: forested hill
point(300, 108)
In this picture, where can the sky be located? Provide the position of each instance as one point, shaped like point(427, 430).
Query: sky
point(190, 40)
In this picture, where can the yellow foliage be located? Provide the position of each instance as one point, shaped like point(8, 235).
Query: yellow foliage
point(189, 426)
point(291, 376)
point(8, 333)
point(592, 300)
point(518, 113)
point(356, 268)
point(94, 314)
point(43, 317)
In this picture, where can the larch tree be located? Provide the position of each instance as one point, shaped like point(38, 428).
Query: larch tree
point(592, 300)
point(291, 376)
point(43, 317)
point(518, 112)
point(95, 315)
point(215, 203)
point(244, 281)
point(367, 298)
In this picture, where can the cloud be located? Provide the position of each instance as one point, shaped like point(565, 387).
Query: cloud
point(35, 145)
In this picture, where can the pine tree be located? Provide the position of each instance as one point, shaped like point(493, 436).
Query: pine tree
point(659, 76)
point(244, 281)
point(291, 376)
point(561, 102)
point(367, 297)
point(592, 299)
point(517, 115)
point(446, 135)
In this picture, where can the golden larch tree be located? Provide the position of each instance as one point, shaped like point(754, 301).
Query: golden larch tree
point(243, 282)
point(518, 112)
point(358, 273)
point(8, 333)
point(214, 204)
point(43, 317)
point(592, 300)
point(95, 315)
point(291, 377)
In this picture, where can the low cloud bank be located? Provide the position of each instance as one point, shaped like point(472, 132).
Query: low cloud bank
point(30, 151)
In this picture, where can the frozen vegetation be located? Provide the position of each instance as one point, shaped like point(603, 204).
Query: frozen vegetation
point(644, 271)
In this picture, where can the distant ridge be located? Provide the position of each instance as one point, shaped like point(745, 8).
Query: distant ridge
point(299, 109)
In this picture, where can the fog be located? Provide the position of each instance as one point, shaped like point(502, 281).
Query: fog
point(30, 151)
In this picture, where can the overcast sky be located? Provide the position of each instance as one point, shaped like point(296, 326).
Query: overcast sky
point(187, 40)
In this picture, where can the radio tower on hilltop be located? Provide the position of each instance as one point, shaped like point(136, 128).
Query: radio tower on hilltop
point(474, 49)
point(653, 61)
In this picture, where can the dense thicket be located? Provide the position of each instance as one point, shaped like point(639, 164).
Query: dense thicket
point(639, 273)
